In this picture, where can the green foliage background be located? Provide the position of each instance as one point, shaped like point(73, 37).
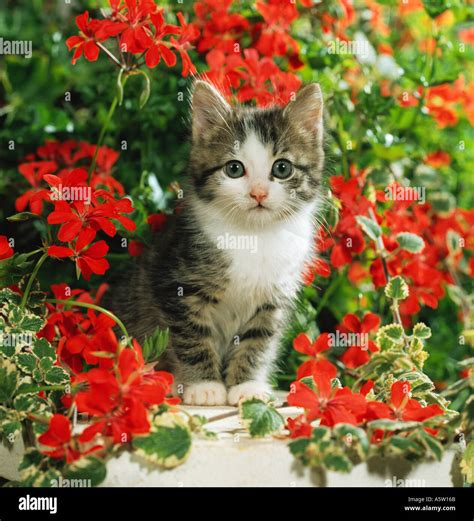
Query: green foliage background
point(33, 108)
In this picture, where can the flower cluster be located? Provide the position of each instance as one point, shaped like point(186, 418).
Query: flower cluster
point(59, 158)
point(426, 268)
point(84, 203)
point(117, 399)
point(140, 29)
point(331, 404)
point(253, 71)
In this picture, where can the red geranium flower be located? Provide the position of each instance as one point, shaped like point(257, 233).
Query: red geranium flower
point(120, 402)
point(59, 436)
point(135, 248)
point(438, 159)
point(91, 32)
point(401, 406)
point(88, 259)
point(87, 217)
point(358, 355)
point(299, 427)
point(6, 250)
point(157, 221)
point(34, 172)
point(318, 362)
point(331, 405)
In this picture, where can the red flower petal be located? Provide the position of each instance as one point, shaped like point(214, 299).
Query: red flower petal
point(60, 252)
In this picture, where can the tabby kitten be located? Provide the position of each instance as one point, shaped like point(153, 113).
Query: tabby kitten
point(225, 274)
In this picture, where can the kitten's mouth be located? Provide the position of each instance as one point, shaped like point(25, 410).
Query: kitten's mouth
point(260, 207)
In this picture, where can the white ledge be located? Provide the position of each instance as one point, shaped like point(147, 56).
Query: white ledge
point(234, 459)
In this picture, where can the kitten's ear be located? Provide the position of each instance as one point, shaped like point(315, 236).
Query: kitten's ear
point(209, 108)
point(306, 110)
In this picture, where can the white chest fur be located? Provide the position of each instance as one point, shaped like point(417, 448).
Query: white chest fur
point(261, 265)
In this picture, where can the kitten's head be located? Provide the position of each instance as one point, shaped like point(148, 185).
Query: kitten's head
point(256, 166)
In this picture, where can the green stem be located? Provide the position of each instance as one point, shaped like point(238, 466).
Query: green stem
point(103, 131)
point(95, 308)
point(24, 300)
point(331, 289)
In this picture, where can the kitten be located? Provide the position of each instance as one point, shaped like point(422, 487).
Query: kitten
point(225, 274)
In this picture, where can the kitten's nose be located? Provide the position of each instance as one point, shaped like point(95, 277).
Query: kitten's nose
point(259, 194)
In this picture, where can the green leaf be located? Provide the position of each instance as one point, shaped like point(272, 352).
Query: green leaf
point(260, 417)
point(90, 470)
point(31, 403)
point(403, 444)
point(321, 434)
point(421, 331)
point(46, 363)
point(9, 296)
point(43, 348)
point(435, 7)
point(337, 462)
point(394, 332)
point(56, 375)
point(31, 470)
point(298, 447)
point(22, 216)
point(453, 241)
point(309, 382)
point(12, 269)
point(11, 430)
point(31, 322)
point(26, 362)
point(467, 462)
point(352, 433)
point(442, 202)
point(370, 227)
point(155, 345)
point(397, 288)
point(168, 443)
point(410, 242)
point(432, 444)
point(8, 380)
point(419, 382)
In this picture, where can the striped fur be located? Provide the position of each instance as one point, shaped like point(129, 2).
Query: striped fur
point(226, 306)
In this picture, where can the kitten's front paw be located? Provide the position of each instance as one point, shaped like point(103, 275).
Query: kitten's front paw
point(250, 389)
point(205, 393)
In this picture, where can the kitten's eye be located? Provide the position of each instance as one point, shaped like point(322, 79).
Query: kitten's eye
point(282, 169)
point(234, 169)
